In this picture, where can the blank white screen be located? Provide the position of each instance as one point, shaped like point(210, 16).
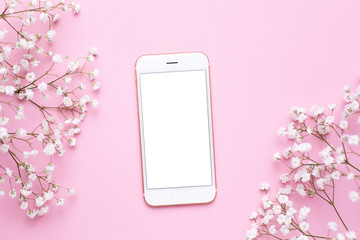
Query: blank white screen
point(176, 129)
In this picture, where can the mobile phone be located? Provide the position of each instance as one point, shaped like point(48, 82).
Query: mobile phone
point(176, 133)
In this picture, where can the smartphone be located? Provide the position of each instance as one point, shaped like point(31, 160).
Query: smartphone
point(176, 132)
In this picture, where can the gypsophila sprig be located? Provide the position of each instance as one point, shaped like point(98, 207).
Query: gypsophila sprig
point(313, 173)
point(34, 80)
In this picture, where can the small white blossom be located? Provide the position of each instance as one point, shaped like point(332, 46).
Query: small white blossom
point(304, 226)
point(353, 140)
point(354, 196)
point(94, 74)
point(49, 149)
point(42, 87)
point(264, 186)
point(67, 101)
point(8, 172)
point(351, 235)
point(350, 176)
point(71, 191)
point(253, 215)
point(30, 76)
point(343, 124)
point(332, 106)
point(316, 111)
point(57, 58)
point(50, 35)
point(73, 66)
point(303, 213)
point(43, 17)
point(332, 226)
point(60, 202)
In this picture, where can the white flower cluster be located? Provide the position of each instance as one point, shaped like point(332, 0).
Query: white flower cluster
point(313, 174)
point(60, 99)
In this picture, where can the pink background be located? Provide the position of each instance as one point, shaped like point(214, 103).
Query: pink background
point(265, 56)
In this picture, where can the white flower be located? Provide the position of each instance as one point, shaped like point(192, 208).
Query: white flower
point(343, 124)
point(72, 66)
point(266, 202)
point(264, 186)
point(94, 74)
point(42, 87)
point(336, 175)
point(253, 215)
point(67, 101)
point(301, 190)
point(59, 91)
point(351, 235)
point(326, 156)
point(3, 70)
point(284, 178)
point(12, 193)
point(48, 195)
point(4, 148)
point(31, 214)
point(32, 177)
point(67, 80)
point(303, 213)
point(3, 133)
point(24, 205)
point(272, 229)
point(30, 76)
point(93, 51)
point(304, 226)
point(332, 226)
point(282, 199)
point(332, 106)
point(25, 192)
point(2, 193)
point(3, 33)
point(60, 202)
point(303, 147)
point(39, 201)
point(21, 133)
point(16, 69)
point(8, 172)
point(316, 111)
point(350, 176)
point(321, 183)
point(71, 191)
point(50, 35)
point(277, 156)
point(24, 64)
point(329, 120)
point(43, 17)
point(353, 140)
point(4, 121)
point(252, 232)
point(282, 131)
point(72, 142)
point(10, 90)
point(75, 7)
point(295, 162)
point(285, 230)
point(302, 175)
point(96, 85)
point(94, 103)
point(57, 58)
point(49, 149)
point(29, 94)
point(354, 196)
point(43, 210)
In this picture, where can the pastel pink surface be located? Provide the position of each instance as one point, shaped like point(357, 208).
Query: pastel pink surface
point(265, 56)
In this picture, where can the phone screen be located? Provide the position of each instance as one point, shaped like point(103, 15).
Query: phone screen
point(176, 129)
